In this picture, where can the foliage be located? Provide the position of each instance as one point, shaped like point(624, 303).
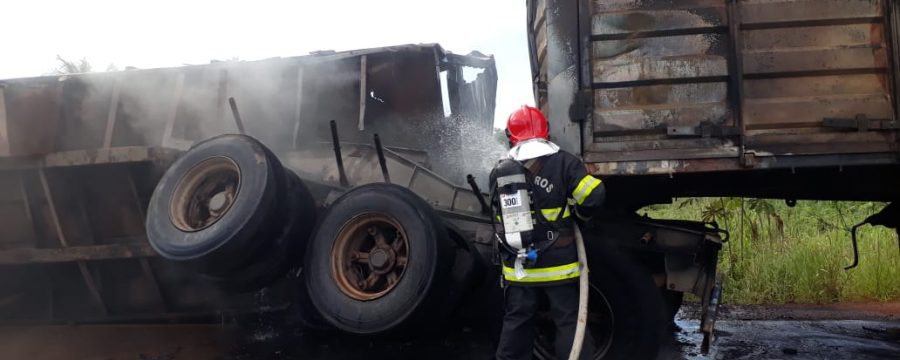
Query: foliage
point(77, 67)
point(782, 254)
point(72, 67)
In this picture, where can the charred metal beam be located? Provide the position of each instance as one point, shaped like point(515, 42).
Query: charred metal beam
point(736, 83)
point(61, 236)
point(474, 185)
point(112, 114)
point(853, 241)
point(173, 110)
point(237, 116)
point(115, 155)
point(888, 217)
point(221, 95)
point(892, 19)
point(661, 33)
point(146, 269)
point(29, 256)
point(362, 92)
point(474, 59)
point(197, 317)
point(338, 158)
point(298, 108)
point(29, 207)
point(381, 160)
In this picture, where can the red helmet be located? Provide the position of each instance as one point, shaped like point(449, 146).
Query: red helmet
point(527, 123)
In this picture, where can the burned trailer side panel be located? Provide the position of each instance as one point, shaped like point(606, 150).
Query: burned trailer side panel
point(285, 102)
point(736, 89)
point(81, 255)
point(472, 102)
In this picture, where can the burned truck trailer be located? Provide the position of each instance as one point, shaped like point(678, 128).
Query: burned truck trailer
point(788, 99)
point(81, 156)
point(784, 99)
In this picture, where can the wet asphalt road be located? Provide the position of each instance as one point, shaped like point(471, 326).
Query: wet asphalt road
point(834, 332)
point(789, 339)
point(864, 332)
point(743, 333)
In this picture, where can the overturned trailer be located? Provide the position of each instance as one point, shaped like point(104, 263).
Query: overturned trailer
point(81, 155)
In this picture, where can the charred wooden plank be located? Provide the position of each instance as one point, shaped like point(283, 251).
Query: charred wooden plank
point(116, 155)
point(675, 146)
point(666, 94)
point(815, 60)
point(25, 256)
point(598, 153)
point(659, 117)
point(660, 22)
point(810, 111)
point(815, 86)
point(4, 132)
point(785, 11)
point(852, 35)
point(819, 144)
point(666, 68)
point(671, 57)
point(623, 5)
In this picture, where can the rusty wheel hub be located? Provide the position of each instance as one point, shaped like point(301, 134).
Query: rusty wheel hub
point(369, 256)
point(204, 194)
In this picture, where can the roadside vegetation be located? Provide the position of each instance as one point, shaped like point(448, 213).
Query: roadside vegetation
point(782, 254)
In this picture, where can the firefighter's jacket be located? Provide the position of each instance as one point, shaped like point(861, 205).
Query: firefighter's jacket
point(560, 185)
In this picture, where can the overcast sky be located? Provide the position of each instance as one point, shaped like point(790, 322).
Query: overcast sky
point(148, 34)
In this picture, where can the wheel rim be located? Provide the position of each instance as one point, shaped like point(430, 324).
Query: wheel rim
point(204, 194)
point(370, 256)
point(600, 323)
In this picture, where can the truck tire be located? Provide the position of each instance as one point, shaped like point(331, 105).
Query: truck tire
point(298, 214)
point(627, 313)
point(463, 278)
point(379, 261)
point(674, 300)
point(225, 207)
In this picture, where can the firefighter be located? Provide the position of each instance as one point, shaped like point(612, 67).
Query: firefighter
point(538, 253)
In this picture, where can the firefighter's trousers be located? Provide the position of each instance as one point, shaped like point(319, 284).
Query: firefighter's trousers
point(517, 337)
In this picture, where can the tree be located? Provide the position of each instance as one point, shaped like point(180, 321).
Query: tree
point(72, 67)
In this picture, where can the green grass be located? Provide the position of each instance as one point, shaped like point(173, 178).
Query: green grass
point(780, 254)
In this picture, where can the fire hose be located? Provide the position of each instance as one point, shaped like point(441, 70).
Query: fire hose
point(583, 288)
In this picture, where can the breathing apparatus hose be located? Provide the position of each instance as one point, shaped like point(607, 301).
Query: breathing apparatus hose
point(583, 288)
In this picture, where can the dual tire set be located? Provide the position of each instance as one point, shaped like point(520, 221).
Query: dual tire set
point(377, 260)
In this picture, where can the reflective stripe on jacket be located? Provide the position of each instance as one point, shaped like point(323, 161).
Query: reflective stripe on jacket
point(544, 275)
